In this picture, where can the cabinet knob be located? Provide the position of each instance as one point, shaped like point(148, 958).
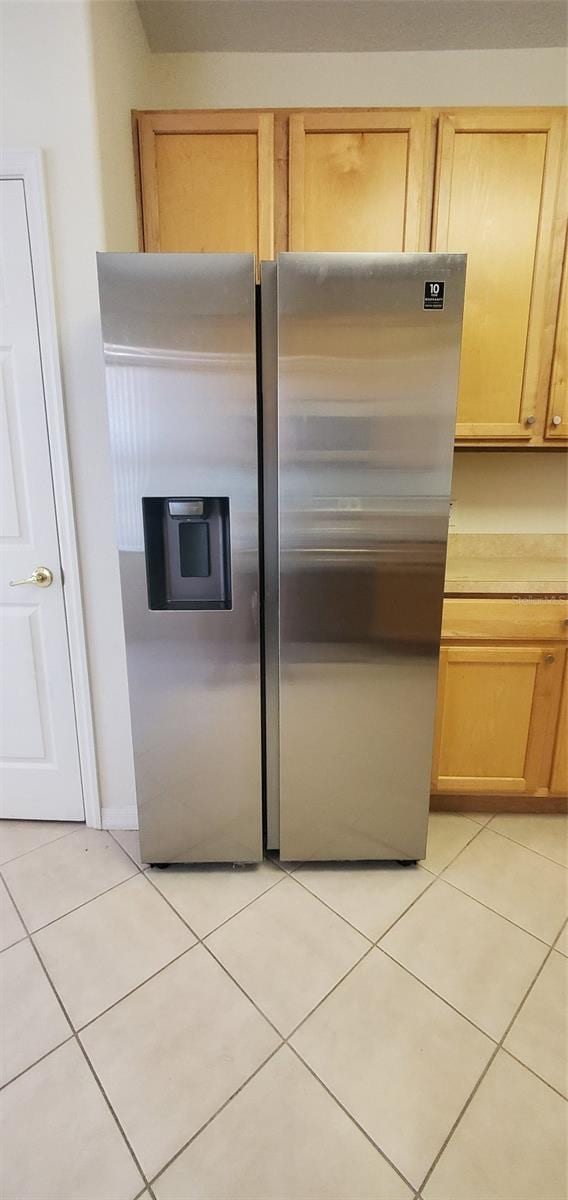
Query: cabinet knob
point(550, 658)
point(556, 420)
point(530, 420)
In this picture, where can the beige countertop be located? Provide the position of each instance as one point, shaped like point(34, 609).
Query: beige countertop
point(481, 564)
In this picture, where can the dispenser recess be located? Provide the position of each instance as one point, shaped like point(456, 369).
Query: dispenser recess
point(187, 551)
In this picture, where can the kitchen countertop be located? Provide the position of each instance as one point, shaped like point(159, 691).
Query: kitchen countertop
point(484, 564)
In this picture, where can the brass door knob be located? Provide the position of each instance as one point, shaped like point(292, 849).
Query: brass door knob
point(42, 577)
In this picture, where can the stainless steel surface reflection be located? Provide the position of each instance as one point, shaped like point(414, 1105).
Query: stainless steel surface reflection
point(367, 386)
point(179, 343)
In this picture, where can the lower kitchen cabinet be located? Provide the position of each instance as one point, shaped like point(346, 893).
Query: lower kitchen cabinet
point(559, 775)
point(501, 716)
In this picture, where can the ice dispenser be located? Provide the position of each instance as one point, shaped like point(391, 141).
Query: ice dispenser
point(187, 549)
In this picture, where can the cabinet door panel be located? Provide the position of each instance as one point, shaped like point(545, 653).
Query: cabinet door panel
point(494, 703)
point(558, 403)
point(356, 180)
point(559, 777)
point(207, 181)
point(497, 177)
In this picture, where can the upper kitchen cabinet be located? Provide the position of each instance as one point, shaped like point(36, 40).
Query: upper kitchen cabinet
point(206, 181)
point(557, 416)
point(356, 179)
point(497, 198)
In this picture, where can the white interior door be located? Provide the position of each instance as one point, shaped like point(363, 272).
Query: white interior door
point(39, 758)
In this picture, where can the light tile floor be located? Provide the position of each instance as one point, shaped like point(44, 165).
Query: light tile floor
point(285, 1032)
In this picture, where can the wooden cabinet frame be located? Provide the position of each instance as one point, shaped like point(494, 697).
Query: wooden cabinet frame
point(152, 124)
point(540, 739)
point(546, 275)
point(414, 122)
point(510, 630)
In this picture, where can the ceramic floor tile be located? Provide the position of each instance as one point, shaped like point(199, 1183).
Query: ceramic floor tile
point(282, 1138)
point(59, 1139)
point(481, 818)
point(369, 895)
point(562, 943)
point(11, 928)
point(520, 885)
point(539, 1036)
point(50, 881)
point(448, 833)
point(206, 896)
point(18, 837)
point(92, 970)
point(31, 1020)
point(287, 950)
point(510, 1143)
point(546, 833)
point(473, 958)
point(129, 839)
point(400, 1060)
point(174, 1051)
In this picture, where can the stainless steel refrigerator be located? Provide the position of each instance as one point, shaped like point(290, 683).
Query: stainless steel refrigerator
point(286, 698)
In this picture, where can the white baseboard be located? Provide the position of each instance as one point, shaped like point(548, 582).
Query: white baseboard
point(120, 818)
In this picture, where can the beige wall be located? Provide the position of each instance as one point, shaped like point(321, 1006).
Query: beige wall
point(291, 80)
point(509, 492)
point(121, 65)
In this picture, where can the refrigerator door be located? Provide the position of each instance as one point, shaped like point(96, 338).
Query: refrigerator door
point(179, 343)
point(368, 361)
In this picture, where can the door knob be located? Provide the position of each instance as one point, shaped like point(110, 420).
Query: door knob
point(42, 577)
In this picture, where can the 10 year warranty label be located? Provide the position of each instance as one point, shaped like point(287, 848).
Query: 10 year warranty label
point(433, 294)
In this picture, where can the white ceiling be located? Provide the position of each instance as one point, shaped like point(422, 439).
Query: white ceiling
point(352, 25)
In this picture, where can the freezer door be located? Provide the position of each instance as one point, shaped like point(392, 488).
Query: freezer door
point(368, 360)
point(179, 343)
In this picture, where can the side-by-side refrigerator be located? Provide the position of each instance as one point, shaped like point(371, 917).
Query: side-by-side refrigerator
point(282, 467)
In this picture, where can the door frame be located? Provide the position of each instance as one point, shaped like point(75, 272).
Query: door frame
point(27, 166)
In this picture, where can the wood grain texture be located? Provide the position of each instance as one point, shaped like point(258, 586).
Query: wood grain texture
point(558, 402)
point(208, 181)
point(559, 771)
point(523, 620)
point(494, 705)
point(357, 179)
point(496, 195)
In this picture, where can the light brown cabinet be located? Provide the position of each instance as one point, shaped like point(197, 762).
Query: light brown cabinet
point(557, 415)
point(497, 177)
point(356, 180)
point(559, 775)
point(206, 181)
point(484, 181)
point(499, 724)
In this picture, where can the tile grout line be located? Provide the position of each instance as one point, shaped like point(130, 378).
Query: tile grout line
point(495, 911)
point(353, 1119)
point(523, 845)
point(214, 1115)
point(76, 908)
point(474, 1091)
point(210, 932)
point(87, 1060)
point(432, 991)
point(283, 1040)
point(87, 1024)
point(562, 1095)
point(50, 842)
